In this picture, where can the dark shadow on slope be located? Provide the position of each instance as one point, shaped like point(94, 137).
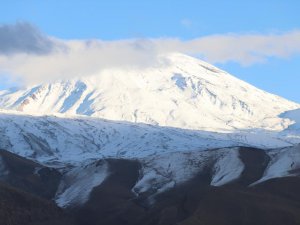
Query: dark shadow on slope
point(20, 208)
point(113, 202)
point(26, 190)
point(255, 162)
point(29, 176)
point(249, 206)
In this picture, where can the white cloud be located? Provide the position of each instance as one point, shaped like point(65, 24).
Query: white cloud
point(79, 58)
point(84, 57)
point(243, 49)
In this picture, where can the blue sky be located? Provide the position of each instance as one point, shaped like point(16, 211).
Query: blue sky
point(185, 20)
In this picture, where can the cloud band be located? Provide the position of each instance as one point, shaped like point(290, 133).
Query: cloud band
point(26, 52)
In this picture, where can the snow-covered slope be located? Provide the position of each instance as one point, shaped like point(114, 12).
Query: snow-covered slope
point(294, 116)
point(49, 138)
point(184, 92)
point(75, 139)
point(164, 171)
point(78, 182)
point(284, 162)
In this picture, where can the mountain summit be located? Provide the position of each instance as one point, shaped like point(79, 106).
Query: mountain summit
point(184, 92)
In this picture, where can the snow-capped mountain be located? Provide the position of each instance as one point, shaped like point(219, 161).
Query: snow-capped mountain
point(174, 122)
point(183, 92)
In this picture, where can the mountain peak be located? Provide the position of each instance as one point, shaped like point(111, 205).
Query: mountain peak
point(183, 92)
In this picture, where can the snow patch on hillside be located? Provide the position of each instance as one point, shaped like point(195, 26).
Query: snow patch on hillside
point(165, 171)
point(78, 182)
point(228, 167)
point(284, 162)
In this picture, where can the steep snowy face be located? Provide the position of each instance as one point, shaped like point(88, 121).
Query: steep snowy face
point(185, 93)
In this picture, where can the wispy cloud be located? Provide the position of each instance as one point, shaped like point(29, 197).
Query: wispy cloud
point(243, 49)
point(27, 53)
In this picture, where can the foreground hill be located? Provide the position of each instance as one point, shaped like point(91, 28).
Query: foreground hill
point(113, 202)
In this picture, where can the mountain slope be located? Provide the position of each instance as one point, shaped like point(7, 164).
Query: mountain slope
point(184, 92)
point(117, 200)
point(168, 156)
point(162, 143)
point(74, 139)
